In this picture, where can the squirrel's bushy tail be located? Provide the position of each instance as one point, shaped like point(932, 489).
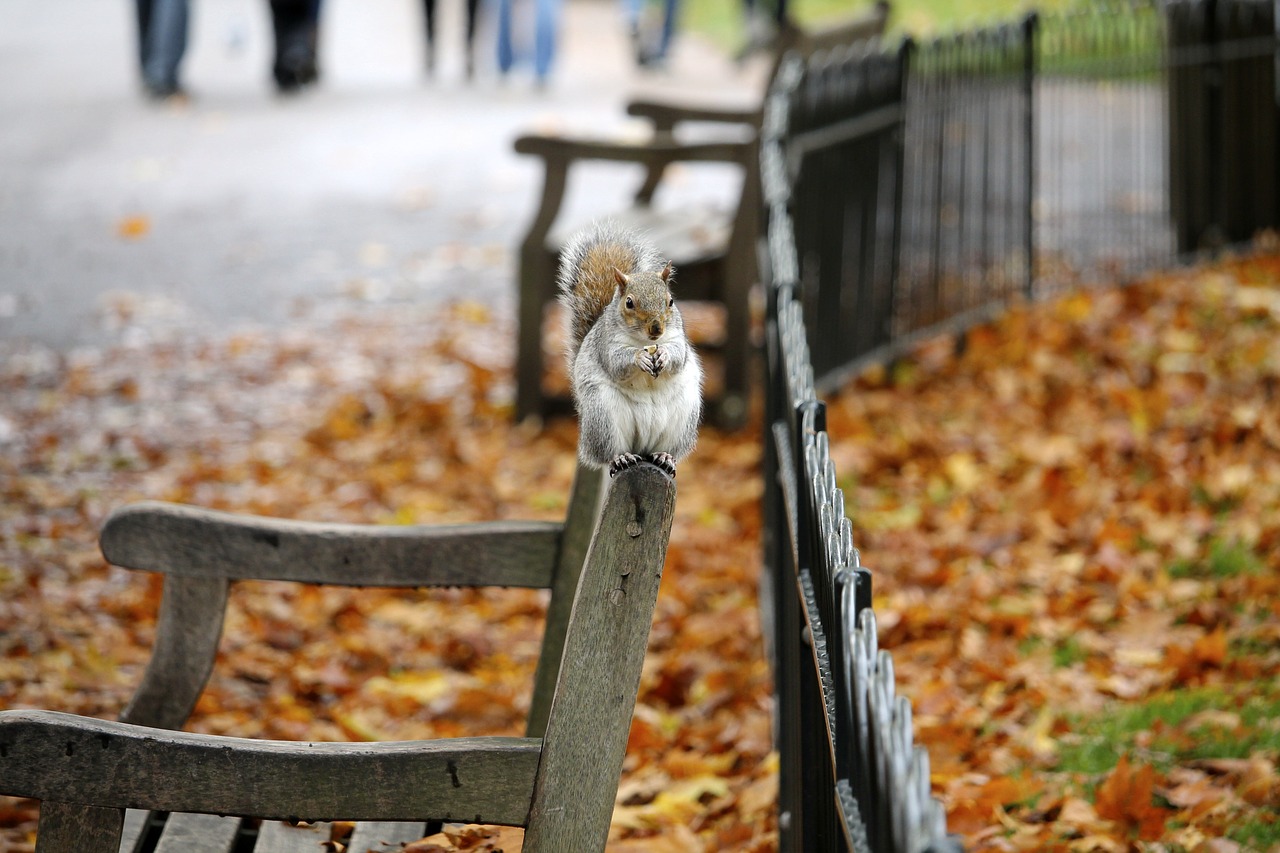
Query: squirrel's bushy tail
point(587, 281)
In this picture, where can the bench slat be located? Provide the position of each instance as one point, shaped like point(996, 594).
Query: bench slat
point(135, 823)
point(276, 837)
point(198, 833)
point(193, 542)
point(48, 755)
point(383, 836)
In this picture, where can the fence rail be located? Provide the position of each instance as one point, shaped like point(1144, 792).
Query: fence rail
point(841, 725)
point(926, 187)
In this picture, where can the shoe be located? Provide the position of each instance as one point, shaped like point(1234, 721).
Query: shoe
point(166, 93)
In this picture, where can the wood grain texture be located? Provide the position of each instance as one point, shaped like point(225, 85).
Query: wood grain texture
point(193, 542)
point(135, 823)
point(72, 828)
point(590, 720)
point(580, 524)
point(383, 836)
point(187, 633)
point(276, 837)
point(49, 755)
point(199, 833)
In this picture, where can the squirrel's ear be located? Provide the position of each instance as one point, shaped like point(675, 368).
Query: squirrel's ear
point(667, 271)
point(621, 278)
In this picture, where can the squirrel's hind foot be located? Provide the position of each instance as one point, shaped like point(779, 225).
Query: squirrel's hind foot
point(622, 462)
point(665, 461)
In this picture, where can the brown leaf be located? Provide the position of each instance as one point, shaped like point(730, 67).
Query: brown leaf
point(1126, 796)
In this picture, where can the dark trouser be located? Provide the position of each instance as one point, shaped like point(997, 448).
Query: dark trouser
point(162, 40)
point(429, 14)
point(296, 24)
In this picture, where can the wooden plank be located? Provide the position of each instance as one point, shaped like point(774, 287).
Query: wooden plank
point(135, 824)
point(580, 523)
point(377, 836)
point(47, 754)
point(68, 828)
point(194, 542)
point(187, 632)
point(198, 833)
point(605, 646)
point(276, 837)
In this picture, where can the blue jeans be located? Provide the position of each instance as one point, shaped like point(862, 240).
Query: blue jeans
point(631, 8)
point(546, 22)
point(162, 41)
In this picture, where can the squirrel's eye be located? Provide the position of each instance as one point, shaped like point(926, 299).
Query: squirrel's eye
point(671, 300)
point(631, 304)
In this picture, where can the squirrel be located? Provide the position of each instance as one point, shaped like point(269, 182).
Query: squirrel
point(636, 379)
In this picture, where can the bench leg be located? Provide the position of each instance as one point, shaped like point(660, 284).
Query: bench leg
point(67, 828)
point(537, 286)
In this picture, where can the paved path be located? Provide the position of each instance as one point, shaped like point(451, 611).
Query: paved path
point(378, 185)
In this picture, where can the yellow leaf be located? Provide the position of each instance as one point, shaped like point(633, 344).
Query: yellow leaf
point(133, 227)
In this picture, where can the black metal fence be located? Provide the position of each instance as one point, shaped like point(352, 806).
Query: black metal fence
point(851, 778)
point(966, 213)
point(929, 186)
point(1027, 158)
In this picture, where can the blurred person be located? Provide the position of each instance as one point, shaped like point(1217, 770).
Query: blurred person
point(429, 13)
point(546, 24)
point(296, 24)
point(764, 20)
point(162, 42)
point(647, 52)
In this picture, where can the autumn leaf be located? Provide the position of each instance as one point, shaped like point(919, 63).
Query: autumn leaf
point(1126, 796)
point(1068, 522)
point(133, 227)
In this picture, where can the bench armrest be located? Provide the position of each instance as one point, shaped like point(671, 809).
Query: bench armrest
point(560, 152)
point(190, 542)
point(666, 115)
point(47, 755)
point(659, 151)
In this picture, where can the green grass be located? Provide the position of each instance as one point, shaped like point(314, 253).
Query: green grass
point(1097, 742)
point(1225, 559)
point(1256, 834)
point(722, 21)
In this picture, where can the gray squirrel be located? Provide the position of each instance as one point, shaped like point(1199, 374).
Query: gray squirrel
point(637, 382)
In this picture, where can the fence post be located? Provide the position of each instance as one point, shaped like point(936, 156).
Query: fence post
point(1030, 25)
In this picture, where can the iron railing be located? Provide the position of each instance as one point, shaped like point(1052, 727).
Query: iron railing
point(851, 778)
point(912, 190)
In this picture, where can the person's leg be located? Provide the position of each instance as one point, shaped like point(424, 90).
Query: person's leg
point(631, 20)
point(546, 25)
point(295, 34)
point(473, 11)
point(670, 11)
point(429, 20)
point(166, 43)
point(506, 51)
point(144, 30)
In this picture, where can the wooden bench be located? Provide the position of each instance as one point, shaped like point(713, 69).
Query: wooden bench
point(714, 251)
point(139, 784)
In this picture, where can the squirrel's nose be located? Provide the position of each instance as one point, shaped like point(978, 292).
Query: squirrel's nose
point(655, 330)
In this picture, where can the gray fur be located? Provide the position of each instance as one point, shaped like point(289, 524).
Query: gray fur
point(629, 400)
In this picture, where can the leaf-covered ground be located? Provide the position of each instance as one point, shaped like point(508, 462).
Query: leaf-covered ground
point(1074, 525)
point(1076, 529)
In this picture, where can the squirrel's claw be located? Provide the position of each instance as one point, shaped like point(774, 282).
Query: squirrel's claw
point(622, 462)
point(665, 461)
point(650, 362)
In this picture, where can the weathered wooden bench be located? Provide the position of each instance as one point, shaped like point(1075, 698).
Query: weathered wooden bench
point(714, 251)
point(139, 784)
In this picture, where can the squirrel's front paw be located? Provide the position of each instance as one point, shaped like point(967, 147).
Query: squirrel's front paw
point(665, 461)
point(651, 359)
point(622, 462)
